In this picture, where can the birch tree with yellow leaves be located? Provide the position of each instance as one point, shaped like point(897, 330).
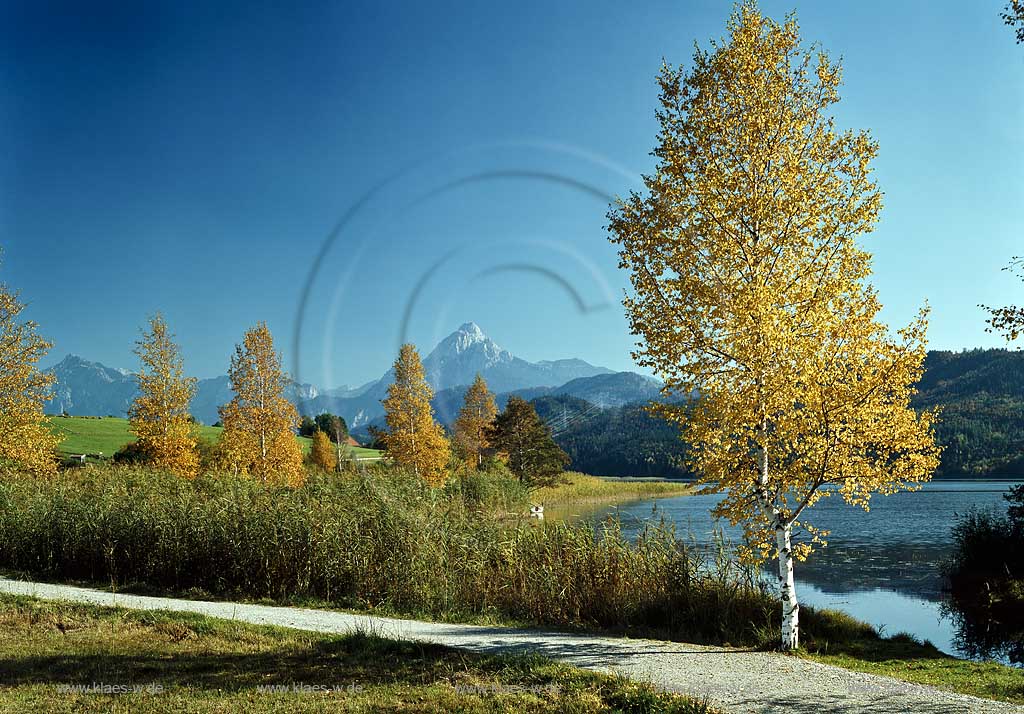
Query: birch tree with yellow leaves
point(413, 438)
point(750, 294)
point(159, 415)
point(259, 422)
point(26, 442)
point(474, 420)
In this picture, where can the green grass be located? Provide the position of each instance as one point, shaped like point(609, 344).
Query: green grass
point(361, 452)
point(200, 664)
point(94, 435)
point(843, 641)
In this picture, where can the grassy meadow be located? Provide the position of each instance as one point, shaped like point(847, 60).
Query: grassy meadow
point(104, 435)
point(187, 662)
point(904, 657)
point(382, 542)
point(95, 435)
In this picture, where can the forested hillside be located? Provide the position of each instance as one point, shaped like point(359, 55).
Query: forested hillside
point(981, 393)
point(618, 441)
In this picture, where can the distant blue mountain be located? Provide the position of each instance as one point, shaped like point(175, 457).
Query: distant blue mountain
point(87, 388)
point(454, 363)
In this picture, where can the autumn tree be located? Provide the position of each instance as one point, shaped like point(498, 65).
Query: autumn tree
point(413, 438)
point(159, 416)
point(533, 456)
point(332, 425)
point(258, 437)
point(26, 441)
point(337, 431)
point(474, 420)
point(322, 453)
point(750, 293)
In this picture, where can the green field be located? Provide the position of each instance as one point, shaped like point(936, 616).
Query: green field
point(105, 435)
point(54, 652)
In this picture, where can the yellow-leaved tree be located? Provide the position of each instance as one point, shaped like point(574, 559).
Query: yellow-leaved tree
point(259, 422)
point(750, 293)
point(322, 452)
point(413, 438)
point(159, 415)
point(474, 420)
point(26, 442)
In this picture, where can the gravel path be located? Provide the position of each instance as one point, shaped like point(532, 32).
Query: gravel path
point(735, 680)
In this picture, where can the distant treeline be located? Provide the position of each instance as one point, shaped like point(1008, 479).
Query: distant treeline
point(981, 393)
point(617, 441)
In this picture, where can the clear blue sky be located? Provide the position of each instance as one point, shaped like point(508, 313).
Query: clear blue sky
point(194, 159)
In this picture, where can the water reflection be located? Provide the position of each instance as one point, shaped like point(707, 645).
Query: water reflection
point(882, 567)
point(980, 636)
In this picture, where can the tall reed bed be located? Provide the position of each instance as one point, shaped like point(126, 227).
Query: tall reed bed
point(379, 540)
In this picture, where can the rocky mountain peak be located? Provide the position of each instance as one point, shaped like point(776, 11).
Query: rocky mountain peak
point(467, 344)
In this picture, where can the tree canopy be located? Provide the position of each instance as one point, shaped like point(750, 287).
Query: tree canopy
point(258, 437)
point(25, 439)
point(750, 292)
point(533, 456)
point(159, 415)
point(474, 420)
point(413, 438)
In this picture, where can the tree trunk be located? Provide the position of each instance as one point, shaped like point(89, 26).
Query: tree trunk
point(787, 589)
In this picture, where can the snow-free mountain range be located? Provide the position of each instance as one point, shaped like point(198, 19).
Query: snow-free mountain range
point(87, 388)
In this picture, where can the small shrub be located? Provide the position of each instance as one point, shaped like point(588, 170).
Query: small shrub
point(986, 580)
point(207, 451)
point(322, 455)
point(131, 453)
point(987, 549)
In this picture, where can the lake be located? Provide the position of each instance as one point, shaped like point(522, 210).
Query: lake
point(881, 567)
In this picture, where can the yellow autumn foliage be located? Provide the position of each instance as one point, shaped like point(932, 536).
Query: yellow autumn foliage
point(751, 294)
point(259, 422)
point(26, 442)
point(322, 453)
point(474, 420)
point(159, 415)
point(414, 439)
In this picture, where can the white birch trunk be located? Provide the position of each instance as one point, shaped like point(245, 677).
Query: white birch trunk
point(787, 589)
point(784, 553)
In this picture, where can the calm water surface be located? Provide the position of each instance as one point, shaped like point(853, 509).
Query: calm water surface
point(881, 567)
